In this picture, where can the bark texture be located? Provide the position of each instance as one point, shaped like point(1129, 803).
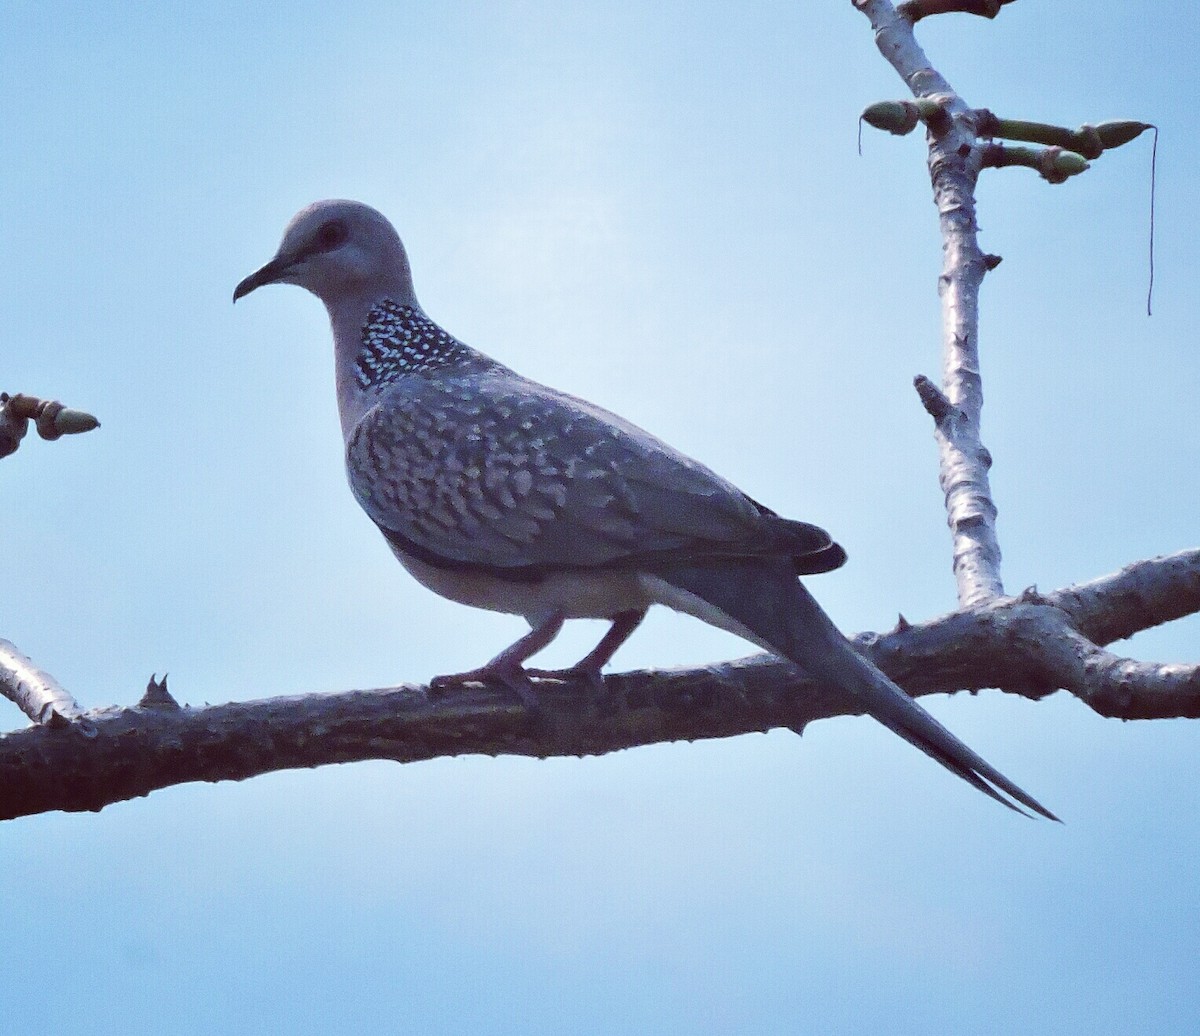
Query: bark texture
point(1030, 645)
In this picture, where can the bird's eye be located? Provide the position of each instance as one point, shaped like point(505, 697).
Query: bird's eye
point(331, 234)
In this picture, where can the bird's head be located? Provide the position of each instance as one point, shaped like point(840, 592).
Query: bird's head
point(338, 249)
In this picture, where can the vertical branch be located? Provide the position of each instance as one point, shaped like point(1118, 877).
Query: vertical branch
point(954, 164)
point(970, 510)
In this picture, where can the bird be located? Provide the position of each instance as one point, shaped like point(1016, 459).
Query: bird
point(501, 493)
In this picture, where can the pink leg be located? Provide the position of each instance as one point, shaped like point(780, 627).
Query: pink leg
point(506, 667)
point(588, 667)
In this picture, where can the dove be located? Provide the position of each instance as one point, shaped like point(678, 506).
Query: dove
point(500, 493)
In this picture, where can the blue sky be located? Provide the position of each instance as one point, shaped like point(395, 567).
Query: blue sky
point(662, 210)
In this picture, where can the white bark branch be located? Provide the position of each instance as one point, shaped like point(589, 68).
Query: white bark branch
point(954, 164)
point(35, 692)
point(1141, 596)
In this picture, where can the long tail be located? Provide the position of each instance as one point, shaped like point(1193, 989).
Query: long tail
point(764, 601)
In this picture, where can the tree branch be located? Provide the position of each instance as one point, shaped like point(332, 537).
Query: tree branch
point(1053, 163)
point(954, 164)
point(1141, 596)
point(1030, 645)
point(1027, 646)
point(1088, 141)
point(915, 10)
point(35, 693)
point(50, 417)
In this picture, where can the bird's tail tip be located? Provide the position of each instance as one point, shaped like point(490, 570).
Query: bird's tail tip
point(920, 729)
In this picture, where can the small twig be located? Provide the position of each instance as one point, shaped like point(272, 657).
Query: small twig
point(1089, 141)
point(35, 692)
point(933, 399)
point(903, 116)
point(51, 418)
point(1053, 163)
point(1153, 182)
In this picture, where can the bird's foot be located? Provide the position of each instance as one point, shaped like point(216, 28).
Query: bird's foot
point(514, 677)
point(589, 675)
point(553, 726)
point(587, 669)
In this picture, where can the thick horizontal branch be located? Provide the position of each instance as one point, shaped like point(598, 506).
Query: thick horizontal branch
point(1028, 645)
point(128, 752)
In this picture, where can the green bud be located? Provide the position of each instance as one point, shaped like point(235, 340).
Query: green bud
point(1114, 134)
point(72, 422)
point(1068, 163)
point(898, 117)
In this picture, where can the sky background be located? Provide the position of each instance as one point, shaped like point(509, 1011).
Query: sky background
point(659, 207)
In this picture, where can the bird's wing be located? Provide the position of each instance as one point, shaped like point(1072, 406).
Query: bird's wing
point(491, 471)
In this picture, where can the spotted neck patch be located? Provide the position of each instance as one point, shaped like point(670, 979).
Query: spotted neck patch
point(400, 340)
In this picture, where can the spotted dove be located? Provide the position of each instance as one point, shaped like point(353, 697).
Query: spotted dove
point(500, 493)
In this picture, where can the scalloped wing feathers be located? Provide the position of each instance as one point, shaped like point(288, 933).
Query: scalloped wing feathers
point(488, 470)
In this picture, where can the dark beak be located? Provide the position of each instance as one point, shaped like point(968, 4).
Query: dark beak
point(269, 274)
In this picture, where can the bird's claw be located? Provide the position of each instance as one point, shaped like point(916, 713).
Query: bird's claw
point(515, 678)
point(589, 675)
